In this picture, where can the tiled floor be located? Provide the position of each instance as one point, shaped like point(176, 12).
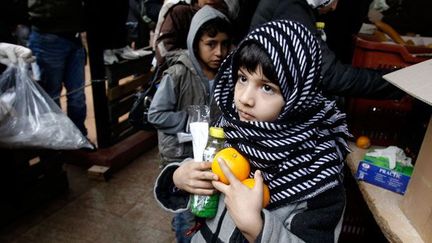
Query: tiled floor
point(119, 210)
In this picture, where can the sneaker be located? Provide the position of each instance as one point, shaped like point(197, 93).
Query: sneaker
point(127, 53)
point(110, 57)
point(142, 52)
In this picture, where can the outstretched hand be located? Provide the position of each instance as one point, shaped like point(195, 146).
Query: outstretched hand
point(195, 177)
point(10, 53)
point(243, 204)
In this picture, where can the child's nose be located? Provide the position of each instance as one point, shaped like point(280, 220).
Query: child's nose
point(219, 50)
point(247, 96)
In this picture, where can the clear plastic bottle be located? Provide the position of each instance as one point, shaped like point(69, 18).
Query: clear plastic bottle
point(320, 27)
point(206, 206)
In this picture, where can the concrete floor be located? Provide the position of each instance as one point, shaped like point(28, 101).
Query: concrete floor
point(119, 210)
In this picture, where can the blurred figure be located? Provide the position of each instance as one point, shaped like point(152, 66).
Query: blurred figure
point(343, 24)
point(406, 16)
point(55, 40)
point(338, 79)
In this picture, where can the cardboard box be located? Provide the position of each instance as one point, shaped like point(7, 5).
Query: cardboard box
point(382, 177)
point(416, 204)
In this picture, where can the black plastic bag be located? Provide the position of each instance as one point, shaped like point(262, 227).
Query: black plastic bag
point(139, 110)
point(140, 107)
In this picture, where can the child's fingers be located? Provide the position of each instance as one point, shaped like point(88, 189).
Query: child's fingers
point(259, 181)
point(205, 165)
point(227, 171)
point(258, 177)
point(205, 171)
point(220, 186)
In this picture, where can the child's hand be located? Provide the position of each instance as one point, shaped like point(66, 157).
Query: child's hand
point(243, 204)
point(195, 177)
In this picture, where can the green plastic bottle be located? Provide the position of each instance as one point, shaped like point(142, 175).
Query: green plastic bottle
point(206, 206)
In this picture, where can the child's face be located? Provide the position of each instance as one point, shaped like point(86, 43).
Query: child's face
point(256, 97)
point(213, 50)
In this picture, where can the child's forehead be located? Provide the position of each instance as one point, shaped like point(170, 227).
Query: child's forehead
point(219, 34)
point(257, 71)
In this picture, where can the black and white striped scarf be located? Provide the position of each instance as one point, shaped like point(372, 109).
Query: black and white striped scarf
point(301, 154)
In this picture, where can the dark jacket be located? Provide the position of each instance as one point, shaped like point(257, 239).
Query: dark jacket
point(57, 16)
point(338, 79)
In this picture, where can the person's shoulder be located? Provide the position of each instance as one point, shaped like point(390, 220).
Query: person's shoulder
point(178, 62)
point(175, 56)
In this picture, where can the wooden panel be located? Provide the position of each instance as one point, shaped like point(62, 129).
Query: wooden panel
point(119, 108)
point(122, 130)
point(128, 88)
point(126, 68)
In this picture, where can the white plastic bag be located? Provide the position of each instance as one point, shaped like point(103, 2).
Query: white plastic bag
point(29, 118)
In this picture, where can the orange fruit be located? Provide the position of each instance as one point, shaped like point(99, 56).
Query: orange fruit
point(363, 142)
point(250, 182)
point(237, 163)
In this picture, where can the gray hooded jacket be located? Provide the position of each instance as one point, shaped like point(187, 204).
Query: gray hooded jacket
point(183, 84)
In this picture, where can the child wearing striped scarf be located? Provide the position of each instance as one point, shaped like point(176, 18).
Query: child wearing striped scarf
point(273, 112)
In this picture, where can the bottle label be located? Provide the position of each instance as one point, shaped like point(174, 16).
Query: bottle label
point(209, 154)
point(205, 206)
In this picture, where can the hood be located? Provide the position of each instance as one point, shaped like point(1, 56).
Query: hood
point(296, 55)
point(201, 17)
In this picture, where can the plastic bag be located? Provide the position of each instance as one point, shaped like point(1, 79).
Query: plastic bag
point(29, 118)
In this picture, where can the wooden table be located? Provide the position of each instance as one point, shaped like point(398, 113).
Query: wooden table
point(384, 205)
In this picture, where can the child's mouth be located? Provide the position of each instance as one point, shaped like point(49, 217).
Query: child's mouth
point(245, 116)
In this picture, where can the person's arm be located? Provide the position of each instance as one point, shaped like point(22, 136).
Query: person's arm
point(245, 208)
point(338, 79)
point(162, 112)
point(177, 181)
point(344, 80)
point(244, 205)
point(167, 195)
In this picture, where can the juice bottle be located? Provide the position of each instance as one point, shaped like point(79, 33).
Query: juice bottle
point(206, 206)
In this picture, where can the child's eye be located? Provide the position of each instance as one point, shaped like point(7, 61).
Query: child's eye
point(211, 45)
point(242, 78)
point(268, 89)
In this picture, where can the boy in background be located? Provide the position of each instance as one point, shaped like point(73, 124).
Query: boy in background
point(188, 81)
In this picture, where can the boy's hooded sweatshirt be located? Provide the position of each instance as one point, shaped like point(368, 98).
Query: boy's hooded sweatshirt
point(183, 84)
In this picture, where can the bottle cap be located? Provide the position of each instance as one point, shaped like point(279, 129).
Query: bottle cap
point(320, 25)
point(217, 132)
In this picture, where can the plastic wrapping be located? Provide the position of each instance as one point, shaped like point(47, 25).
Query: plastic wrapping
point(29, 118)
